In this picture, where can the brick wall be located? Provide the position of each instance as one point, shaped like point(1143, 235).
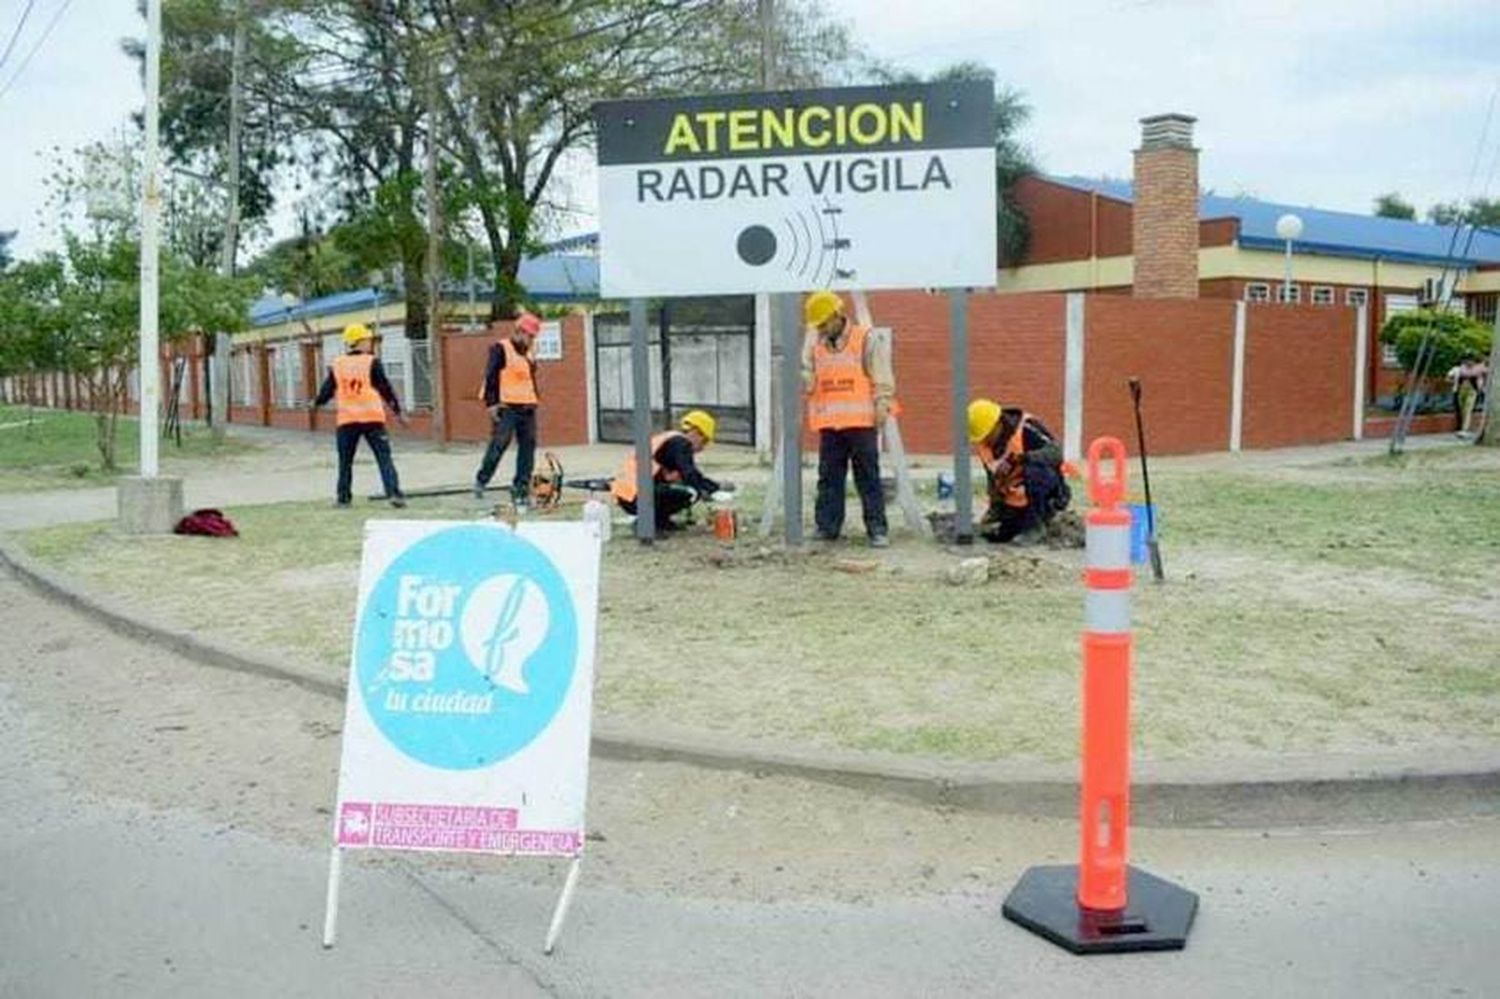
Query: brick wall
point(1183, 352)
point(563, 416)
point(1299, 375)
point(1016, 347)
point(1165, 223)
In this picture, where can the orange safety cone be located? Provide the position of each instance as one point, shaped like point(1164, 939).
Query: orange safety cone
point(1102, 904)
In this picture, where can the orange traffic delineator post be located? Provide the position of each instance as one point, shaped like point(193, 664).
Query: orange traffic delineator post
point(1103, 905)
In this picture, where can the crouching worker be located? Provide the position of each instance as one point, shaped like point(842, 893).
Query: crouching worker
point(674, 471)
point(1024, 464)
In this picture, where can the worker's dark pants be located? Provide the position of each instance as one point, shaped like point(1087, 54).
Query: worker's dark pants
point(669, 499)
point(1047, 495)
point(837, 450)
point(517, 422)
point(347, 438)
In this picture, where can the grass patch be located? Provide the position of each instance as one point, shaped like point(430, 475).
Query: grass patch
point(1299, 615)
point(56, 449)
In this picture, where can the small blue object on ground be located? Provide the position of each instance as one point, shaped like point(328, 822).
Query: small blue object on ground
point(1140, 530)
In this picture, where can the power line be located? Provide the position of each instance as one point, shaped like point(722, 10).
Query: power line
point(15, 35)
point(46, 32)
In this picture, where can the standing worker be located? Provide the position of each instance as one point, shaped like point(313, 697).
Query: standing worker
point(850, 384)
point(362, 391)
point(511, 398)
point(678, 483)
point(1024, 464)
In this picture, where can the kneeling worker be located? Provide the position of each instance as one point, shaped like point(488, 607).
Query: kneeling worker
point(1024, 464)
point(678, 482)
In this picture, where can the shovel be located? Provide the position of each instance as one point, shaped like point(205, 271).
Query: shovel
point(1140, 432)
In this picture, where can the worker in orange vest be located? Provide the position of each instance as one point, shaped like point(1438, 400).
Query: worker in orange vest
point(359, 386)
point(850, 387)
point(1024, 464)
point(674, 470)
point(511, 398)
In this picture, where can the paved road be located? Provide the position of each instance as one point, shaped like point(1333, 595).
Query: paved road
point(162, 841)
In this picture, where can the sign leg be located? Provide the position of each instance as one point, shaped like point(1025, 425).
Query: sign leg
point(331, 904)
point(958, 318)
point(640, 356)
point(563, 902)
point(773, 492)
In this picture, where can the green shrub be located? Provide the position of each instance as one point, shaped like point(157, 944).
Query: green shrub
point(1453, 337)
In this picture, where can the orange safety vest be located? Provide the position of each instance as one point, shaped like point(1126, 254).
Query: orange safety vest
point(623, 487)
point(843, 395)
point(358, 402)
point(517, 384)
point(1013, 488)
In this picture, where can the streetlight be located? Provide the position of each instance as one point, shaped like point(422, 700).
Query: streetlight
point(1289, 228)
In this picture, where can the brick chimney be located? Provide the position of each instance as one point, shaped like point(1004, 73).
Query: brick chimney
point(1164, 223)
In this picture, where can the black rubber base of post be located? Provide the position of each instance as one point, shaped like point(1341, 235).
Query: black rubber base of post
point(1158, 916)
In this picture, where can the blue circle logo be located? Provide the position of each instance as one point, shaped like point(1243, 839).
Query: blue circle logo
point(466, 647)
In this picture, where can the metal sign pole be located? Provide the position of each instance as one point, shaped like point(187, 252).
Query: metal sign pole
point(791, 415)
point(640, 357)
point(958, 318)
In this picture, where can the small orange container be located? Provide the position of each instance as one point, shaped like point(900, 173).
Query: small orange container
point(726, 526)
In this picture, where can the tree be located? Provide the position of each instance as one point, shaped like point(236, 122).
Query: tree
point(1393, 206)
point(1482, 212)
point(1013, 161)
point(93, 289)
point(520, 80)
point(1451, 338)
point(5, 241)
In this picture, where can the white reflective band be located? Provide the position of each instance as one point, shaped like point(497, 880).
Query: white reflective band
point(1106, 611)
point(1107, 547)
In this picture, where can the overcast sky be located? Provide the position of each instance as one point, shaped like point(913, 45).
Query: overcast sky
point(1317, 102)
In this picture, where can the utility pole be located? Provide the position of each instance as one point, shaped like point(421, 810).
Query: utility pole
point(150, 356)
point(434, 253)
point(219, 390)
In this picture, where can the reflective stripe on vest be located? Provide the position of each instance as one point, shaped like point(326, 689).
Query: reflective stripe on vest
point(358, 402)
point(623, 487)
point(843, 395)
point(517, 386)
point(1014, 486)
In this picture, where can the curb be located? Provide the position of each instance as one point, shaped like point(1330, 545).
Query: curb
point(1271, 790)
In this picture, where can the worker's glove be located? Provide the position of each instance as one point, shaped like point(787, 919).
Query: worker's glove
point(722, 496)
point(494, 412)
point(882, 411)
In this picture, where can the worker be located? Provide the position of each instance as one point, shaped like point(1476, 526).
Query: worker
point(674, 470)
point(847, 375)
point(1024, 464)
point(510, 398)
point(359, 385)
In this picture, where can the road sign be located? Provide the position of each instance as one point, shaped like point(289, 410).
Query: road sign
point(861, 187)
point(467, 717)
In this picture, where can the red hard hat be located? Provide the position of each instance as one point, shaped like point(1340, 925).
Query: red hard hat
point(527, 323)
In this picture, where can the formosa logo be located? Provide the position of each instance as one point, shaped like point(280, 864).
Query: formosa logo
point(466, 647)
point(504, 623)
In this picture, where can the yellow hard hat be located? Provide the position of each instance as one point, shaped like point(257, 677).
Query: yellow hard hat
point(700, 421)
point(355, 332)
point(821, 306)
point(984, 417)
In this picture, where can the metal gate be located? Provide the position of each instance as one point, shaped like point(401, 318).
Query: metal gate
point(708, 363)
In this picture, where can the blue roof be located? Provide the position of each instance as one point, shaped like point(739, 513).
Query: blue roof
point(553, 278)
point(1340, 234)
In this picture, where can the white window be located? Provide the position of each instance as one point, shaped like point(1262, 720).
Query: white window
point(1257, 292)
point(1289, 293)
point(244, 379)
point(1322, 295)
point(286, 367)
point(1356, 297)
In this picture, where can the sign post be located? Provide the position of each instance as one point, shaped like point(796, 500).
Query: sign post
point(793, 191)
point(467, 718)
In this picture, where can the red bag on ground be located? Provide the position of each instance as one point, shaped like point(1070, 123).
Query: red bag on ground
point(208, 523)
